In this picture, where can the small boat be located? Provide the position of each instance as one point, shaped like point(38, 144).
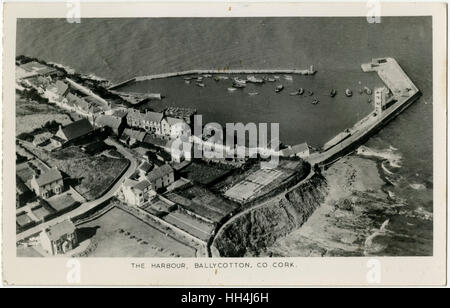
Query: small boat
point(231, 89)
point(187, 78)
point(361, 91)
point(187, 81)
point(223, 77)
point(301, 91)
point(276, 77)
point(254, 79)
point(288, 77)
point(253, 93)
point(348, 92)
point(200, 84)
point(279, 88)
point(271, 79)
point(310, 93)
point(216, 78)
point(369, 100)
point(207, 75)
point(238, 85)
point(315, 102)
point(293, 93)
point(368, 91)
point(238, 80)
point(333, 93)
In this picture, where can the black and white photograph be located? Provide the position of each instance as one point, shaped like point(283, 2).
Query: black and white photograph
point(234, 137)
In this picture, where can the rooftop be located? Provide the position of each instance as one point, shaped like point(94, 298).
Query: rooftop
point(77, 129)
point(159, 172)
point(48, 177)
point(55, 232)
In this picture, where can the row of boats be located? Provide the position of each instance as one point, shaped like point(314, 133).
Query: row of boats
point(239, 83)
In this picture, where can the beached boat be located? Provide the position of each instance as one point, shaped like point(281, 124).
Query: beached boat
point(333, 93)
point(348, 92)
point(279, 88)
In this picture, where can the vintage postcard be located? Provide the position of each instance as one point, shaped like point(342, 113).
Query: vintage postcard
point(224, 143)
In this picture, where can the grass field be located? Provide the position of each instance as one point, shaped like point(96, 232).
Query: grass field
point(91, 175)
point(33, 115)
point(119, 234)
point(202, 173)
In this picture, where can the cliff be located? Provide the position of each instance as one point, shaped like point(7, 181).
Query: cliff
point(251, 234)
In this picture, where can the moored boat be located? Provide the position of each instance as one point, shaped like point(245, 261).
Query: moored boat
point(333, 93)
point(279, 88)
point(231, 89)
point(200, 84)
point(315, 101)
point(254, 79)
point(368, 91)
point(253, 93)
point(348, 92)
point(301, 91)
point(310, 93)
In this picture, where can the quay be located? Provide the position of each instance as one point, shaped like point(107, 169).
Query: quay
point(404, 93)
point(309, 71)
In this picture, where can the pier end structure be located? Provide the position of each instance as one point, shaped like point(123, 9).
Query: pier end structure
point(404, 93)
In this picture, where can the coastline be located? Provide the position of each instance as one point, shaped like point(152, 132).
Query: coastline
point(357, 216)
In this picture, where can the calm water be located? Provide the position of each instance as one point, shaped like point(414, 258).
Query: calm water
point(296, 115)
point(118, 49)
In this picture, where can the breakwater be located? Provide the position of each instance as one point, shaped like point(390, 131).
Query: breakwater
point(309, 71)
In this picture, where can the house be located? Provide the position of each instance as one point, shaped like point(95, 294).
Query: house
point(132, 136)
point(79, 105)
point(161, 177)
point(74, 131)
point(150, 121)
point(116, 124)
point(301, 150)
point(49, 183)
point(59, 238)
point(137, 193)
point(60, 88)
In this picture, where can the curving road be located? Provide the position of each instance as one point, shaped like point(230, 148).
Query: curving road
point(87, 206)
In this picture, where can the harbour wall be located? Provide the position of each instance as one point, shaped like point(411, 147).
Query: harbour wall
point(232, 71)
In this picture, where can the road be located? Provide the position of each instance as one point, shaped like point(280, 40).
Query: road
point(87, 206)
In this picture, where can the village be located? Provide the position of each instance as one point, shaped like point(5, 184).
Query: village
point(87, 151)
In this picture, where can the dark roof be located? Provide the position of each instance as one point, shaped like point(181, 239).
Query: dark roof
point(77, 129)
point(142, 185)
point(152, 139)
point(145, 166)
point(21, 188)
point(55, 232)
point(48, 177)
point(159, 172)
point(135, 134)
point(109, 121)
